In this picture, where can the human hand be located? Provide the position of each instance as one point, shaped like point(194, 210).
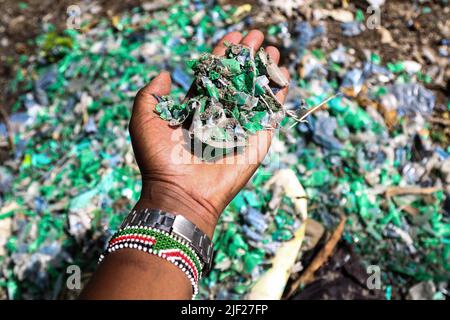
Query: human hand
point(198, 190)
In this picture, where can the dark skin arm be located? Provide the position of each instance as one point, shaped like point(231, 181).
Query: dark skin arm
point(199, 191)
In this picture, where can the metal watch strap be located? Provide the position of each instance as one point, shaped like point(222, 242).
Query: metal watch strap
point(175, 224)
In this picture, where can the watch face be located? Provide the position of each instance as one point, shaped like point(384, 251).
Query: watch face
point(177, 225)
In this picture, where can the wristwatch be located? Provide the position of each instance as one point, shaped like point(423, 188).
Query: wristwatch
point(177, 225)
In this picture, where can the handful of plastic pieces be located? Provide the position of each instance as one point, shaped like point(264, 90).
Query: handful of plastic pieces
point(232, 96)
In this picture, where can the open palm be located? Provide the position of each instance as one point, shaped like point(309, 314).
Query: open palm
point(173, 178)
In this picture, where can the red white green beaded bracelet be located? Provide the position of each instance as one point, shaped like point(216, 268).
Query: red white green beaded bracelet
point(158, 242)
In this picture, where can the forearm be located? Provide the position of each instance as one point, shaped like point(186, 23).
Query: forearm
point(132, 274)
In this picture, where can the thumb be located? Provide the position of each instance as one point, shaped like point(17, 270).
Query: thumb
point(145, 98)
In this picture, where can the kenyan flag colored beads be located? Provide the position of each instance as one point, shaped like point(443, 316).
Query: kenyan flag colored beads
point(157, 242)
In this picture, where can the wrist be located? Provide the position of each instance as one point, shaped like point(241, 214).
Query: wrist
point(168, 197)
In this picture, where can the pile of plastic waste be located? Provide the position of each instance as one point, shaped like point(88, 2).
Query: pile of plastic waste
point(367, 155)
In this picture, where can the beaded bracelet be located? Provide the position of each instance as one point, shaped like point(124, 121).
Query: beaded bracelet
point(157, 242)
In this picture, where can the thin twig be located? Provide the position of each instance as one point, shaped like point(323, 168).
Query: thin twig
point(267, 105)
point(307, 113)
point(320, 259)
point(395, 191)
point(445, 122)
point(313, 109)
point(9, 129)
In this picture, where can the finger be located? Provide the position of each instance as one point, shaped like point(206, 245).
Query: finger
point(160, 85)
point(281, 95)
point(274, 53)
point(145, 99)
point(233, 37)
point(253, 39)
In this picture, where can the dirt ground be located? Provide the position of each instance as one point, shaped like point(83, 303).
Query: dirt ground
point(19, 26)
point(411, 32)
point(416, 34)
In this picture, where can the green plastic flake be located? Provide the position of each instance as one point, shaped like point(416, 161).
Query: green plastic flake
point(272, 30)
point(359, 15)
point(23, 6)
point(241, 289)
point(337, 105)
point(252, 199)
point(253, 127)
point(233, 65)
point(319, 54)
point(259, 90)
point(214, 75)
point(388, 293)
point(239, 82)
point(396, 67)
point(212, 90)
point(253, 259)
point(357, 119)
point(375, 58)
point(238, 246)
point(317, 178)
